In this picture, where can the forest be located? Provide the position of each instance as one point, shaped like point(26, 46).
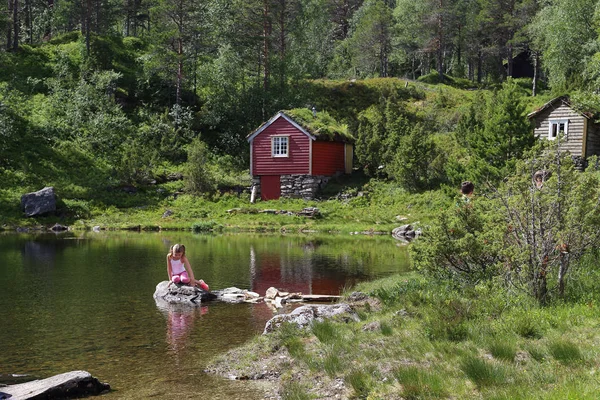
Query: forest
point(127, 86)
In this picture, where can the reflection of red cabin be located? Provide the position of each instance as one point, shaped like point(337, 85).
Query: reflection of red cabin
point(287, 159)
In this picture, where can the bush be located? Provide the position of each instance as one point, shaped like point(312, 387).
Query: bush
point(198, 179)
point(206, 226)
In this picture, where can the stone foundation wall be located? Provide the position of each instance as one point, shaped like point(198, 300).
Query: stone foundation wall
point(296, 186)
point(302, 186)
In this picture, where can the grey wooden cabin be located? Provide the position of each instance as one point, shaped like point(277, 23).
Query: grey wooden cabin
point(577, 132)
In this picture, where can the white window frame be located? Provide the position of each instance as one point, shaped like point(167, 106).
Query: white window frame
point(556, 123)
point(280, 146)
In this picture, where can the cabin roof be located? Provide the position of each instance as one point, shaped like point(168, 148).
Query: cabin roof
point(564, 100)
point(317, 127)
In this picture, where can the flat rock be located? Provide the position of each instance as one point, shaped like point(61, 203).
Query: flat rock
point(75, 384)
point(236, 295)
point(171, 293)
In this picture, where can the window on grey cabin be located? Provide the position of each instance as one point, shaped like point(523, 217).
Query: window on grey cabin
point(558, 127)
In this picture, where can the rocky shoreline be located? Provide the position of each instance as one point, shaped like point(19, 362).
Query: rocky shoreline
point(264, 360)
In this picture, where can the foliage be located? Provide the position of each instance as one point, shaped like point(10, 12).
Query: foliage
point(529, 234)
point(412, 165)
point(198, 178)
point(501, 138)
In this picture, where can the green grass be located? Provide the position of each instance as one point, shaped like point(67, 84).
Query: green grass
point(565, 351)
point(482, 372)
point(360, 381)
point(294, 391)
point(419, 383)
point(325, 331)
point(503, 349)
point(491, 361)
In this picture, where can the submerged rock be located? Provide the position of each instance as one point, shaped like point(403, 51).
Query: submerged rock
point(70, 385)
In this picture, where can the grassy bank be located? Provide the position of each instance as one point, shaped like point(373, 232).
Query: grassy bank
point(422, 340)
point(366, 206)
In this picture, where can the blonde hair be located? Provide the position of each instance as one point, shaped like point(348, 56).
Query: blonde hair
point(177, 248)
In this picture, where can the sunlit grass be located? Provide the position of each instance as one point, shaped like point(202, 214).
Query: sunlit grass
point(565, 351)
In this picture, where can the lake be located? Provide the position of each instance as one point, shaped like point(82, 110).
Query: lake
point(84, 302)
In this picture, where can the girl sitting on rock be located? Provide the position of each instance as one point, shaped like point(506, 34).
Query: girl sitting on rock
point(179, 268)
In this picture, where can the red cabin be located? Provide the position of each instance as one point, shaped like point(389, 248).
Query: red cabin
point(296, 152)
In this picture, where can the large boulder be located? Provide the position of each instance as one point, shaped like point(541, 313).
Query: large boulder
point(171, 293)
point(39, 203)
point(305, 315)
point(70, 385)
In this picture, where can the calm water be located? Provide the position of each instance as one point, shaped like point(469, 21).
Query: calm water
point(85, 303)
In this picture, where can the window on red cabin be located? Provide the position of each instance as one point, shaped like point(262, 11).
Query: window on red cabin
point(280, 146)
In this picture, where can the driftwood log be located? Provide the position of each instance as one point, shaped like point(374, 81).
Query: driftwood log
point(70, 385)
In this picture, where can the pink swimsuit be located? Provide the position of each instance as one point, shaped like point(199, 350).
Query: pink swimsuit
point(178, 272)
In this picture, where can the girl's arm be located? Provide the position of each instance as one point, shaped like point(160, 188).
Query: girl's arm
point(188, 268)
point(169, 267)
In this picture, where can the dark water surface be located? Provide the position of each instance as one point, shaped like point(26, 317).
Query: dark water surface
point(84, 302)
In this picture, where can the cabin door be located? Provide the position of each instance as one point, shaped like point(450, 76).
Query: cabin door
point(270, 187)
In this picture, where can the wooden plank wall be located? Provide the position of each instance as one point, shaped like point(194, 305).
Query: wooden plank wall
point(574, 143)
point(328, 158)
point(263, 163)
point(593, 140)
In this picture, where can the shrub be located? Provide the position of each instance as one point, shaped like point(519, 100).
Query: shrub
point(206, 226)
point(198, 179)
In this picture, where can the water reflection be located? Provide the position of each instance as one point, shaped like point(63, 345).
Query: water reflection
point(179, 325)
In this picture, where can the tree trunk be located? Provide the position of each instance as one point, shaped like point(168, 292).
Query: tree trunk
point(88, 20)
point(179, 54)
point(15, 43)
point(9, 29)
point(440, 40)
point(479, 66)
point(266, 37)
point(28, 22)
point(282, 43)
point(535, 73)
point(509, 62)
point(562, 272)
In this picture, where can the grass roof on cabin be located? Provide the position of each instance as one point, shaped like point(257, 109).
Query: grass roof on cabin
point(323, 126)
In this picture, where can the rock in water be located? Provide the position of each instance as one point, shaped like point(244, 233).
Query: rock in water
point(172, 293)
point(75, 384)
point(38, 203)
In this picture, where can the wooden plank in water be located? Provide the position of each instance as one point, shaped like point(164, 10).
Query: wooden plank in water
point(320, 297)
